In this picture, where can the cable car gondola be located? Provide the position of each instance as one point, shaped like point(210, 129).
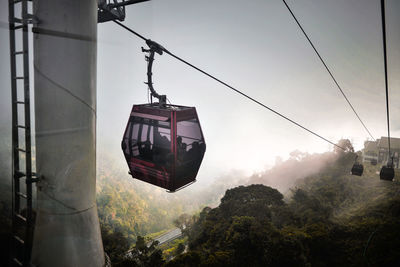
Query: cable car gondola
point(387, 172)
point(163, 143)
point(357, 168)
point(164, 146)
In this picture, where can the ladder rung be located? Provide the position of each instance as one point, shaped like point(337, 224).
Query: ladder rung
point(22, 174)
point(18, 27)
point(32, 180)
point(20, 52)
point(19, 1)
point(21, 126)
point(17, 262)
point(19, 174)
point(28, 16)
point(21, 150)
point(22, 195)
point(20, 102)
point(22, 218)
point(17, 20)
point(19, 77)
point(19, 239)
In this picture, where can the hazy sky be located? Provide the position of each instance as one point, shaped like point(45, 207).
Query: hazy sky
point(257, 47)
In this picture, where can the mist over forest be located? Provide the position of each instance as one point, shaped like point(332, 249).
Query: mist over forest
point(304, 211)
point(148, 209)
point(320, 216)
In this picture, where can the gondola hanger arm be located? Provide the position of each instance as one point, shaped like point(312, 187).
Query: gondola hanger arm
point(153, 48)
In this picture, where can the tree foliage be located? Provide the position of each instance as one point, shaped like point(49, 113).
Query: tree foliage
point(326, 220)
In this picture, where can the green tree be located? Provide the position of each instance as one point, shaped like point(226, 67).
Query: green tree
point(145, 254)
point(345, 144)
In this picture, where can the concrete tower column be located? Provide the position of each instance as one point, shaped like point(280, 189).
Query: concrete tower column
point(67, 231)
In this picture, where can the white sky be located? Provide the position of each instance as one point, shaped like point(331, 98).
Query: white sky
point(257, 47)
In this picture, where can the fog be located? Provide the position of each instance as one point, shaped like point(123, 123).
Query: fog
point(283, 175)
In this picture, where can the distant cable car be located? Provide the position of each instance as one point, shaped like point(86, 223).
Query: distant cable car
point(357, 168)
point(163, 144)
point(387, 172)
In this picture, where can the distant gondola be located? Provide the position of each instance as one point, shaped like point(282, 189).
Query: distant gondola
point(387, 173)
point(357, 169)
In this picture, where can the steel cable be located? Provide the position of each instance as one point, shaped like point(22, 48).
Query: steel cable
point(328, 70)
point(233, 88)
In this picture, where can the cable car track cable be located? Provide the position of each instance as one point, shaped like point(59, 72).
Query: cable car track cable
point(388, 123)
point(385, 68)
point(232, 88)
point(328, 70)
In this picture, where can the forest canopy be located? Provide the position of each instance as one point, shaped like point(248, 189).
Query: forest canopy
point(329, 219)
point(305, 211)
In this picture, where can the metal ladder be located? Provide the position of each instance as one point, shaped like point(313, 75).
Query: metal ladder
point(22, 214)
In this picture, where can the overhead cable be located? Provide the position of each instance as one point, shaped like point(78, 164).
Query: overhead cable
point(328, 70)
point(385, 64)
point(233, 88)
point(387, 116)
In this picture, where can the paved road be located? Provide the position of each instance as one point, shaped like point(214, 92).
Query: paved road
point(169, 236)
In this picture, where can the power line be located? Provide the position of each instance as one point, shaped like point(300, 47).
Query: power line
point(385, 63)
point(233, 88)
point(326, 67)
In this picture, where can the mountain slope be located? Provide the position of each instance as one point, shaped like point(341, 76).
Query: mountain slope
point(326, 221)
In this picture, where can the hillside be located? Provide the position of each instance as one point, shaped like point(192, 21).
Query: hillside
point(329, 219)
point(321, 216)
point(134, 208)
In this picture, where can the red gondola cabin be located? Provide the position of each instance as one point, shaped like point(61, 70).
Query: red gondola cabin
point(164, 146)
